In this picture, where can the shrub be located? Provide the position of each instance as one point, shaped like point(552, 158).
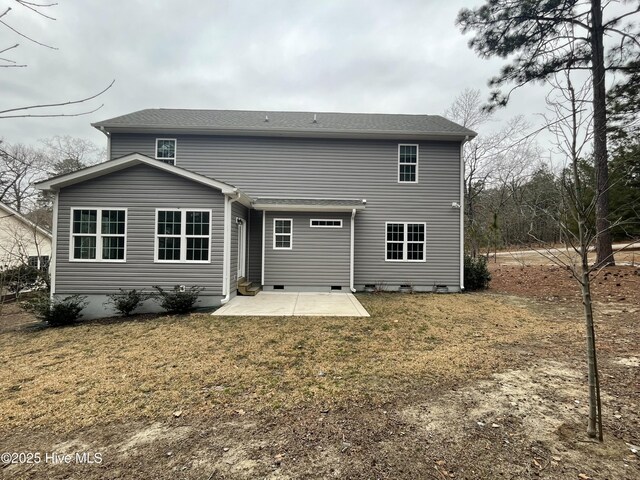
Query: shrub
point(126, 301)
point(178, 300)
point(20, 278)
point(56, 312)
point(476, 273)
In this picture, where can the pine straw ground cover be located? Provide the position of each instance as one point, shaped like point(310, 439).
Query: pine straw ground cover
point(110, 371)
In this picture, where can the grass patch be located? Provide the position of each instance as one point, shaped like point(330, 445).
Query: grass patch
point(98, 372)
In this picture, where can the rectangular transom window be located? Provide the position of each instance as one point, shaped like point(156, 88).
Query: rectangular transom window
point(98, 234)
point(407, 163)
point(405, 242)
point(322, 223)
point(166, 150)
point(282, 234)
point(183, 236)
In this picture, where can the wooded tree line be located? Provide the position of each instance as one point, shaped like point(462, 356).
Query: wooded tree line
point(514, 188)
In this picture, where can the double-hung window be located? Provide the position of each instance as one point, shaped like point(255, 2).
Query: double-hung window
point(166, 150)
point(98, 234)
point(183, 236)
point(405, 242)
point(407, 163)
point(282, 234)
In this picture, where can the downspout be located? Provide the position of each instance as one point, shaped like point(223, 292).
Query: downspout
point(54, 246)
point(466, 139)
point(102, 129)
point(351, 287)
point(226, 251)
point(264, 222)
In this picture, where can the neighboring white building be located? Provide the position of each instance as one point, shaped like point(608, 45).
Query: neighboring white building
point(22, 241)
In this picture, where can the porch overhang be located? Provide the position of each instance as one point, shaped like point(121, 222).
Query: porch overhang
point(274, 204)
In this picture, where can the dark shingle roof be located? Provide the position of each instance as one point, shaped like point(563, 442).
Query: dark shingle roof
point(280, 122)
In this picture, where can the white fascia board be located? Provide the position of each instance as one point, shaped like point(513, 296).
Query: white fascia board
point(127, 161)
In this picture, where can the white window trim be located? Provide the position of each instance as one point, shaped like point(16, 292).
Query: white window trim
point(183, 235)
point(405, 242)
point(417, 164)
point(290, 234)
point(325, 220)
point(175, 150)
point(98, 235)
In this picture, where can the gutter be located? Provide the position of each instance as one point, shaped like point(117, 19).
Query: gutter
point(226, 253)
point(351, 255)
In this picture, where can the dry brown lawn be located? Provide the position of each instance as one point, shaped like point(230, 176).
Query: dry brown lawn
point(411, 392)
point(109, 371)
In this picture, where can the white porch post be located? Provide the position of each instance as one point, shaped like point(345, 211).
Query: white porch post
point(226, 251)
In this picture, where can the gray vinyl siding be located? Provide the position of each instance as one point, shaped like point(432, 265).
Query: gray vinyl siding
point(254, 255)
point(319, 257)
point(237, 211)
point(140, 189)
point(341, 168)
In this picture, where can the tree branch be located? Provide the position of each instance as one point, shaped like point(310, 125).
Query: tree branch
point(50, 105)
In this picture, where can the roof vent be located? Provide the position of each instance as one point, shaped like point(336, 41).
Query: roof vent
point(315, 119)
point(266, 118)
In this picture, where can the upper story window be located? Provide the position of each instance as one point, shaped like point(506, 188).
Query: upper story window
point(183, 236)
point(98, 234)
point(322, 223)
point(405, 242)
point(282, 234)
point(407, 163)
point(166, 150)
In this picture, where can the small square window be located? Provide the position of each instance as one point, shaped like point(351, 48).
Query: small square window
point(166, 150)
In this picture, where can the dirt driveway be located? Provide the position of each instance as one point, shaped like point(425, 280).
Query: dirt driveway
point(467, 386)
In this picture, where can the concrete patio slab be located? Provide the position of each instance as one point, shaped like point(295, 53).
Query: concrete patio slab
point(270, 304)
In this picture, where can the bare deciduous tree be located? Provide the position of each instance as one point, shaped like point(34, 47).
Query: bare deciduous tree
point(496, 158)
point(572, 110)
point(20, 166)
point(43, 110)
point(67, 154)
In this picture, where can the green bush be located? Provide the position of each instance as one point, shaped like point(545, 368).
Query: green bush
point(20, 278)
point(176, 300)
point(476, 273)
point(56, 312)
point(126, 301)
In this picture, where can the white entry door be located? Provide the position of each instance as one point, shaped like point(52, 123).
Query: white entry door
point(242, 249)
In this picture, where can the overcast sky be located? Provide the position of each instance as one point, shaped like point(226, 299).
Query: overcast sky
point(398, 56)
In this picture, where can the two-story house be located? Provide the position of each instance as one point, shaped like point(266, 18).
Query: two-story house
point(293, 201)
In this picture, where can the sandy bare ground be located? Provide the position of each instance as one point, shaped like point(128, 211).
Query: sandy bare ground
point(475, 386)
point(627, 254)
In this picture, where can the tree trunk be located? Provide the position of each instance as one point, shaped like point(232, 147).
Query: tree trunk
point(595, 410)
point(594, 426)
point(604, 252)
